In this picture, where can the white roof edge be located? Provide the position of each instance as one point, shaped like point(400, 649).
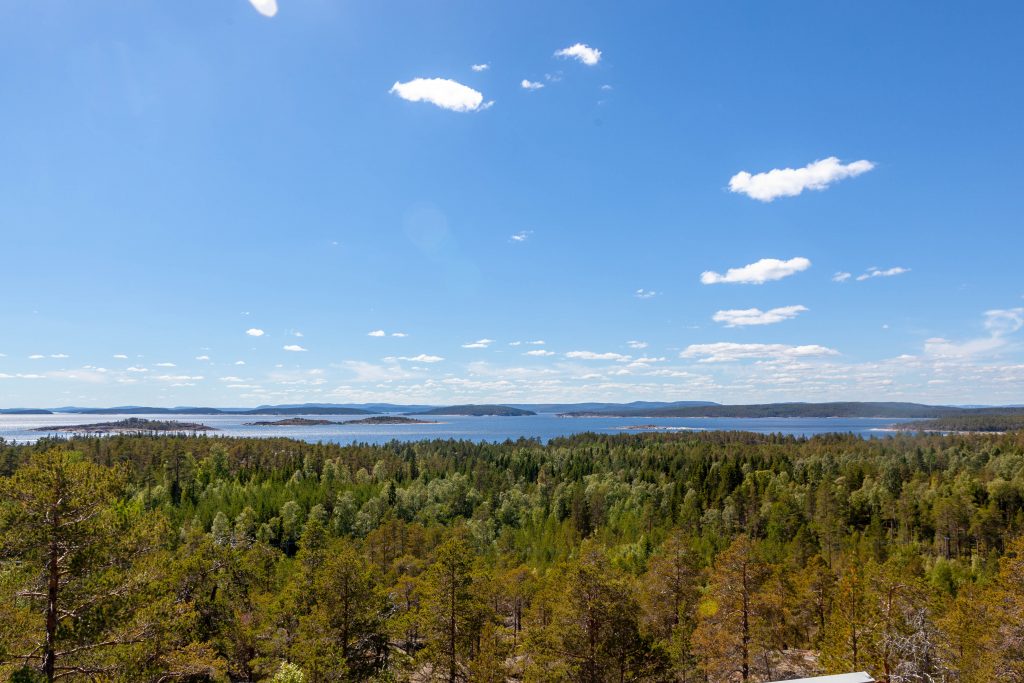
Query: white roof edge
point(859, 677)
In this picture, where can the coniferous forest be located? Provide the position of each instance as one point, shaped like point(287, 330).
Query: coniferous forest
point(711, 557)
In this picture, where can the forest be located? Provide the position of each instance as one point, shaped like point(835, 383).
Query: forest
point(693, 557)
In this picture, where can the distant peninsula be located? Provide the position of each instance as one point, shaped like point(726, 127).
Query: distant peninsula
point(478, 411)
point(132, 425)
point(291, 422)
point(389, 420)
point(847, 409)
point(994, 423)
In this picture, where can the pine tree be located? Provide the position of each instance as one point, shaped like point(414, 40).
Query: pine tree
point(67, 554)
point(449, 610)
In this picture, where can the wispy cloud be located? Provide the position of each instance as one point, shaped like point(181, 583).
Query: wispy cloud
point(999, 323)
point(755, 316)
point(757, 273)
point(293, 347)
point(521, 236)
point(120, 356)
point(878, 272)
point(165, 364)
point(255, 332)
point(530, 85)
point(422, 358)
point(725, 352)
point(478, 344)
point(582, 52)
point(267, 8)
point(645, 293)
point(633, 344)
point(202, 358)
point(442, 92)
point(36, 356)
point(591, 355)
point(841, 276)
point(480, 67)
point(399, 334)
point(789, 182)
point(377, 333)
point(539, 353)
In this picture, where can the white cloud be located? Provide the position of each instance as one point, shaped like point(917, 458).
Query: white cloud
point(36, 356)
point(789, 182)
point(377, 333)
point(239, 362)
point(399, 334)
point(296, 333)
point(644, 293)
point(877, 272)
point(606, 87)
point(254, 332)
point(536, 342)
point(59, 355)
point(755, 316)
point(841, 276)
point(202, 358)
point(633, 344)
point(267, 8)
point(591, 355)
point(480, 67)
point(478, 344)
point(422, 358)
point(724, 352)
point(530, 85)
point(120, 356)
point(443, 92)
point(1000, 322)
point(231, 379)
point(293, 347)
point(135, 368)
point(539, 352)
point(179, 378)
point(584, 53)
point(757, 273)
point(521, 236)
point(165, 365)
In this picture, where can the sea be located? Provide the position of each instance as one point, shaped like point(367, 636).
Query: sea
point(23, 428)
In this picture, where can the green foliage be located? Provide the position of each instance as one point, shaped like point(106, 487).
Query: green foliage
point(681, 557)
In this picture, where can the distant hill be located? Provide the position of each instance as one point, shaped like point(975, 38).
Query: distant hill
point(602, 407)
point(24, 411)
point(837, 409)
point(477, 411)
point(188, 410)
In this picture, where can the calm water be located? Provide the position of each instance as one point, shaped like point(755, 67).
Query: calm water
point(20, 427)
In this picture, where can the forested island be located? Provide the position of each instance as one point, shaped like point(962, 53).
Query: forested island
point(477, 411)
point(711, 557)
point(390, 420)
point(290, 422)
point(131, 425)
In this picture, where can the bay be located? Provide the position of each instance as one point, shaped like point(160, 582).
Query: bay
point(21, 428)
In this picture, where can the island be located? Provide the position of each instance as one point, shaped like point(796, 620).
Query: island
point(291, 422)
point(478, 411)
point(131, 425)
point(389, 420)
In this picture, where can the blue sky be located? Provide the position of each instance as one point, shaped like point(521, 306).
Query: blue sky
point(175, 174)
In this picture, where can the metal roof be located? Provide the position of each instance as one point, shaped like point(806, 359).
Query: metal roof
point(859, 677)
